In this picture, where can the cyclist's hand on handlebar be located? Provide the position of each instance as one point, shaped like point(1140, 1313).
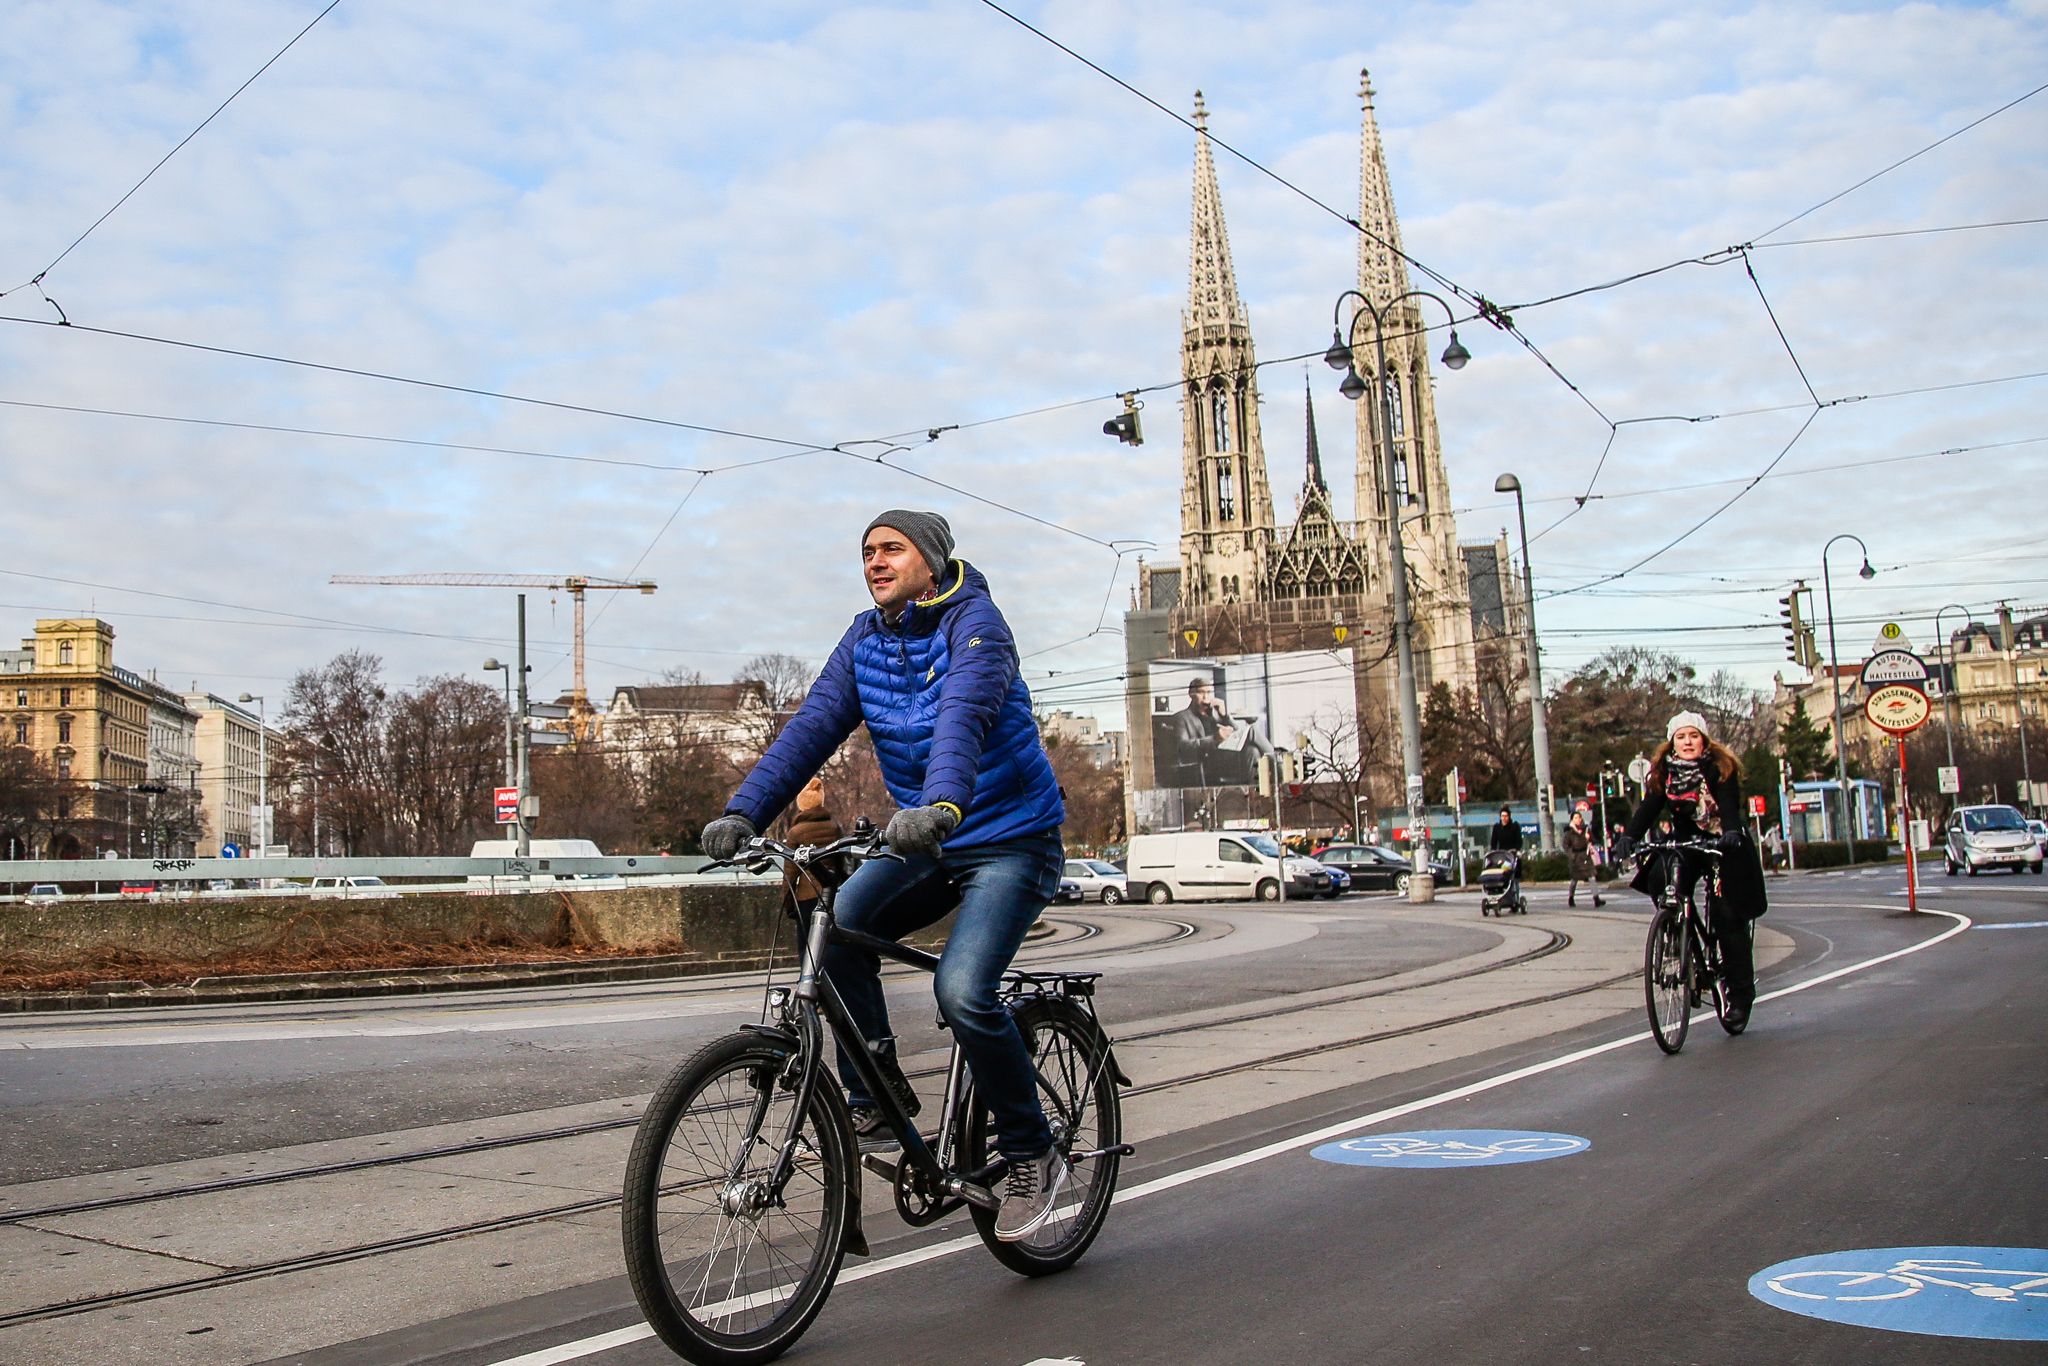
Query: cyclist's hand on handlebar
point(921, 829)
point(723, 837)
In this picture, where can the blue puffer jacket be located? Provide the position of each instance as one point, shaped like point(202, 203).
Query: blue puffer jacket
point(949, 714)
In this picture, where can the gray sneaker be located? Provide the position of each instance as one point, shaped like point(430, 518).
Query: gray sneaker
point(1029, 1194)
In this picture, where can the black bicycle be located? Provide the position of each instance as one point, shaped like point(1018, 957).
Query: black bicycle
point(1682, 960)
point(743, 1188)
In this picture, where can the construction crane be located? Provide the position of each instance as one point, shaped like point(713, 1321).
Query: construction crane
point(575, 584)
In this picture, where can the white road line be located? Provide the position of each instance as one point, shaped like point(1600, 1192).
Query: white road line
point(604, 1342)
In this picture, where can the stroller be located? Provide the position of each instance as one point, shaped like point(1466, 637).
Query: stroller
point(1500, 884)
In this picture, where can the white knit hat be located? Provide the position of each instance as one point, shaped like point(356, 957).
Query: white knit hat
point(1686, 718)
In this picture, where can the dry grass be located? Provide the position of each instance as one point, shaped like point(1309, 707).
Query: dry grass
point(339, 955)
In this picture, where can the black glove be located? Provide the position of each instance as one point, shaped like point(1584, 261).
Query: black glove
point(1624, 845)
point(723, 837)
point(1732, 841)
point(921, 829)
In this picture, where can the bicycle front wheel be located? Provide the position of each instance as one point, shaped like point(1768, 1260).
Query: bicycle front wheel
point(728, 1269)
point(1077, 1086)
point(1667, 979)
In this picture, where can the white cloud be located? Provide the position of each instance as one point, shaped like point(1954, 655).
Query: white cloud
point(833, 225)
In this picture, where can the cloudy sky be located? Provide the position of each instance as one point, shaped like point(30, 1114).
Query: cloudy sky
point(733, 238)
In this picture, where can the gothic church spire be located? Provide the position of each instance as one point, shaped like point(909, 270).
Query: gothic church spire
point(1212, 281)
point(1382, 270)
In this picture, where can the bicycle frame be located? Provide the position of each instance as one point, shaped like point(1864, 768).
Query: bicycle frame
point(798, 1011)
point(1693, 907)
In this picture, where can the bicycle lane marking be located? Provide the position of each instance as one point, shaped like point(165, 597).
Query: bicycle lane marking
point(1998, 1293)
point(1441, 1148)
point(604, 1342)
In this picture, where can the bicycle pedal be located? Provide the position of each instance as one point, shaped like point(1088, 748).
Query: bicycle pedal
point(880, 1166)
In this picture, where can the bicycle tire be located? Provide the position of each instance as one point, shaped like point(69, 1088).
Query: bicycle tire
point(1667, 979)
point(1077, 1085)
point(702, 1271)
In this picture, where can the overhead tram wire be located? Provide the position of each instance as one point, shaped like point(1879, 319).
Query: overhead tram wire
point(441, 386)
point(1443, 280)
point(1840, 194)
point(43, 274)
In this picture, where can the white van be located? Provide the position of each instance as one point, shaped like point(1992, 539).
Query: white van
point(1216, 865)
point(543, 849)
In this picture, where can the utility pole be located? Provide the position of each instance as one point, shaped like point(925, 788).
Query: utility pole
point(525, 833)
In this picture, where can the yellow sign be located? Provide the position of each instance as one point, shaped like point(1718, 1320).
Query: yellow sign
point(1190, 637)
point(1341, 632)
point(1891, 631)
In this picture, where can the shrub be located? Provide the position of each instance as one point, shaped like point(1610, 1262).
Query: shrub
point(1837, 854)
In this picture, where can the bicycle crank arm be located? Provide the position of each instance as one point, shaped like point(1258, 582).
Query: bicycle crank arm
point(973, 1194)
point(1119, 1149)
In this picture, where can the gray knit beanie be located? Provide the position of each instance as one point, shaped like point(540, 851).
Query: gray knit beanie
point(927, 531)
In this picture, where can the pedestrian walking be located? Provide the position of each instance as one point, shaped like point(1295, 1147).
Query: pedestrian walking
point(1578, 852)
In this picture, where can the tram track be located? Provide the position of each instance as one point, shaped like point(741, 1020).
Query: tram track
point(233, 1274)
point(247, 1181)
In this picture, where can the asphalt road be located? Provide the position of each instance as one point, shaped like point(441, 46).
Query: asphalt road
point(1896, 1105)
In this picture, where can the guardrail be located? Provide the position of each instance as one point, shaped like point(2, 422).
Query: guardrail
point(26, 871)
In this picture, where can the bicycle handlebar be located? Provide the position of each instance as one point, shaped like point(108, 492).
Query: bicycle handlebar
point(759, 852)
point(1709, 846)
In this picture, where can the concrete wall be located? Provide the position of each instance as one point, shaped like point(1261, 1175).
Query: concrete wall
point(712, 923)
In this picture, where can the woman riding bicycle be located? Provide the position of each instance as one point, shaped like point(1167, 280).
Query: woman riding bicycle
point(1694, 785)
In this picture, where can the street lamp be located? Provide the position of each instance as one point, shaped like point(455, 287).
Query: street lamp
point(1342, 357)
point(1539, 729)
point(262, 835)
point(1948, 687)
point(493, 666)
point(1835, 669)
point(2019, 708)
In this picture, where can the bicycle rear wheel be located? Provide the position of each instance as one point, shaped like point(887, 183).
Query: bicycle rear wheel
point(1077, 1086)
point(1667, 979)
point(728, 1271)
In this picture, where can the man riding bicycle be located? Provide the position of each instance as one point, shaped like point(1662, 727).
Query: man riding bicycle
point(933, 673)
point(1695, 784)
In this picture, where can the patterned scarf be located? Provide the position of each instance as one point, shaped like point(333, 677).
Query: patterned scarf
point(1685, 786)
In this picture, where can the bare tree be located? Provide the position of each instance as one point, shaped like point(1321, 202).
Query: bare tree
point(445, 745)
point(334, 724)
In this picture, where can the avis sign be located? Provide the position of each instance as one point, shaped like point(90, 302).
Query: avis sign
point(506, 802)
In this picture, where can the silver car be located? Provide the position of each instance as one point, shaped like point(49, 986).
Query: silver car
point(1097, 879)
point(1979, 837)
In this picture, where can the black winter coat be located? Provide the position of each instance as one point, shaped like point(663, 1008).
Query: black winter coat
point(1742, 870)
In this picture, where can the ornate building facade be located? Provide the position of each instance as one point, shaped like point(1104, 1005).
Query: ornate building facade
point(1247, 584)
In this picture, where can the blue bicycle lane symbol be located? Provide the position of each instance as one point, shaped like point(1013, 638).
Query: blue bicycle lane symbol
point(1441, 1148)
point(1957, 1292)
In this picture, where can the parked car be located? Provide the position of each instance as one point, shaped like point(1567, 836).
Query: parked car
point(1069, 892)
point(138, 887)
point(358, 885)
point(1376, 868)
point(45, 891)
point(1099, 880)
point(1218, 866)
point(1340, 879)
point(2039, 830)
point(1979, 837)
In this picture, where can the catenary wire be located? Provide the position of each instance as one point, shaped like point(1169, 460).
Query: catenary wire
point(42, 274)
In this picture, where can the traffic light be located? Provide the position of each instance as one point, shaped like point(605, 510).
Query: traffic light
point(1795, 627)
point(1311, 764)
point(1124, 426)
point(1265, 766)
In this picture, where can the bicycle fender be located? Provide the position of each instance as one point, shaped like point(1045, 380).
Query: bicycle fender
point(835, 1101)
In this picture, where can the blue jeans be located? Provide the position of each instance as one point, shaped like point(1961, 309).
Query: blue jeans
point(999, 890)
